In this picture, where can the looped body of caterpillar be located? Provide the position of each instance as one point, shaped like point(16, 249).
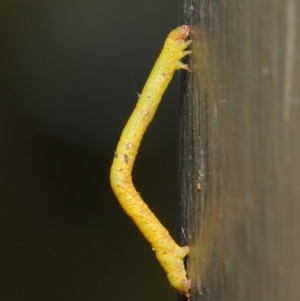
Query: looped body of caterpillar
point(169, 254)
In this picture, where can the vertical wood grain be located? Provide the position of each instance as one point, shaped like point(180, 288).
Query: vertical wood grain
point(240, 150)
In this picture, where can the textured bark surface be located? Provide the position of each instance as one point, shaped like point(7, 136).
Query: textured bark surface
point(240, 150)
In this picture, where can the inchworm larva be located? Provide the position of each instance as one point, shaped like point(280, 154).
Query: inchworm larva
point(168, 253)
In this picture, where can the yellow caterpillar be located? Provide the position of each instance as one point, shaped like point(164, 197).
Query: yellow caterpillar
point(168, 253)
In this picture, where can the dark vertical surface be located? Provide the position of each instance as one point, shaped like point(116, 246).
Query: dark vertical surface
point(240, 150)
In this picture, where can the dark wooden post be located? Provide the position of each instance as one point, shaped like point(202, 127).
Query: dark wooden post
point(240, 150)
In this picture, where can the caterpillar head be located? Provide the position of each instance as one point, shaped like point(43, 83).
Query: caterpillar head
point(180, 33)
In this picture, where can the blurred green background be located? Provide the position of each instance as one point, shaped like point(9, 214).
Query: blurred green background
point(70, 73)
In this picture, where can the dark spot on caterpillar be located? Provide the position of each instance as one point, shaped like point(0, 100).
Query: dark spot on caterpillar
point(116, 155)
point(126, 159)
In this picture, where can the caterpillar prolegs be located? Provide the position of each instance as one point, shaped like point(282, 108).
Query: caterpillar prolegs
point(168, 253)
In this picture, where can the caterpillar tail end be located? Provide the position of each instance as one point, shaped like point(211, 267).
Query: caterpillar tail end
point(185, 287)
point(178, 277)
